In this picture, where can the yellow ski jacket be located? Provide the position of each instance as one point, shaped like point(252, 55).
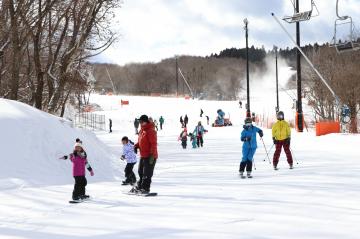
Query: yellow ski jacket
point(281, 130)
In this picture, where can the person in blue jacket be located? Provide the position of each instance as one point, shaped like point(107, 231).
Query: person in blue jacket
point(248, 137)
point(199, 134)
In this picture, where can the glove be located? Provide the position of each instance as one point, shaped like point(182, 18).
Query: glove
point(122, 157)
point(261, 133)
point(135, 150)
point(287, 141)
point(65, 157)
point(275, 141)
point(151, 160)
point(92, 173)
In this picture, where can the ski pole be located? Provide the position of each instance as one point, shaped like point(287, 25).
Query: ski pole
point(266, 150)
point(272, 146)
point(293, 156)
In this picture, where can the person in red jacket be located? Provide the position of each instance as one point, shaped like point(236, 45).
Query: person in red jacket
point(147, 144)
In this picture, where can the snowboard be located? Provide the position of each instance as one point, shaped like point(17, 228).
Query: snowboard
point(143, 195)
point(79, 201)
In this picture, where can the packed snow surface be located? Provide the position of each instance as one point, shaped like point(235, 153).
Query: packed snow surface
point(200, 192)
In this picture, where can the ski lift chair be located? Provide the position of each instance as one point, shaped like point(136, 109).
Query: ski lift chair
point(302, 16)
point(350, 44)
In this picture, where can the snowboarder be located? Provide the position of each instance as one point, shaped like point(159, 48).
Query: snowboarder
point(182, 122)
point(248, 136)
point(130, 157)
point(199, 132)
point(110, 125)
point(281, 134)
point(147, 143)
point(161, 121)
point(136, 126)
point(201, 113)
point(193, 140)
point(208, 120)
point(186, 121)
point(183, 137)
point(79, 161)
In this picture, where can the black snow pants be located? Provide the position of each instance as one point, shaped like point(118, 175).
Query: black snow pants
point(129, 174)
point(146, 171)
point(247, 164)
point(200, 141)
point(79, 187)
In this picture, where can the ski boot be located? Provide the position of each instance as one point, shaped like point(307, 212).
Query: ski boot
point(84, 197)
point(135, 190)
point(242, 175)
point(144, 191)
point(126, 182)
point(249, 175)
point(276, 168)
point(291, 166)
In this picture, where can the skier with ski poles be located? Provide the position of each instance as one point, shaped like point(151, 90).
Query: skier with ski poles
point(80, 162)
point(281, 134)
point(248, 137)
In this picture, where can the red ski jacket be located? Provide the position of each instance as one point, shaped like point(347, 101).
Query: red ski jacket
point(147, 142)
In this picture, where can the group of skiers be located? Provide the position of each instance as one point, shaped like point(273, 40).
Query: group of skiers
point(147, 145)
point(196, 137)
point(281, 135)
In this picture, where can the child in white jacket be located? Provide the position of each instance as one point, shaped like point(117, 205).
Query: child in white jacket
point(130, 157)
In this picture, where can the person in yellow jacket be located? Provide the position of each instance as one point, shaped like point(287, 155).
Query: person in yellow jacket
point(281, 134)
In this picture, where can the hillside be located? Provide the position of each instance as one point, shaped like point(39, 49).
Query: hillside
point(32, 143)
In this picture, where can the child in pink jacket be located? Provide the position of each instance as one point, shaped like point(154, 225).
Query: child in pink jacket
point(79, 160)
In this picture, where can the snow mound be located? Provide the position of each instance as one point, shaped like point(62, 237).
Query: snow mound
point(32, 142)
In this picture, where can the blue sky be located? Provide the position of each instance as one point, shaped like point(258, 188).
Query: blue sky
point(151, 30)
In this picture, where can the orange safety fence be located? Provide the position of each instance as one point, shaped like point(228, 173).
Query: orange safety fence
point(327, 127)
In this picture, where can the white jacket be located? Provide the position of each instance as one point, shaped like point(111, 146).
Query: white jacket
point(128, 153)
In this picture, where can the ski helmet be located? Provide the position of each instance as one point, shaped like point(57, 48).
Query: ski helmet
point(248, 120)
point(280, 115)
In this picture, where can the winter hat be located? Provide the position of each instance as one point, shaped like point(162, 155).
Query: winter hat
point(144, 118)
point(78, 145)
point(280, 115)
point(248, 120)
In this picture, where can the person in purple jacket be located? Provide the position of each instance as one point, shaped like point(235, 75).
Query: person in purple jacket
point(80, 162)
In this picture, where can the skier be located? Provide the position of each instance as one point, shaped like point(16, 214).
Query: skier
point(281, 134)
point(156, 125)
point(182, 122)
point(248, 136)
point(183, 137)
point(193, 140)
point(201, 113)
point(136, 126)
point(110, 125)
point(240, 104)
point(147, 143)
point(208, 120)
point(199, 132)
point(79, 161)
point(186, 121)
point(130, 157)
point(161, 121)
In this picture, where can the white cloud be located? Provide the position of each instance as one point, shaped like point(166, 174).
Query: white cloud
point(155, 29)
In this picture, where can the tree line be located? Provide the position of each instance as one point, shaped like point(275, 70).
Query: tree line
point(44, 47)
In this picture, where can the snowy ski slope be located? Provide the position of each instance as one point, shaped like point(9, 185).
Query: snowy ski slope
point(200, 192)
